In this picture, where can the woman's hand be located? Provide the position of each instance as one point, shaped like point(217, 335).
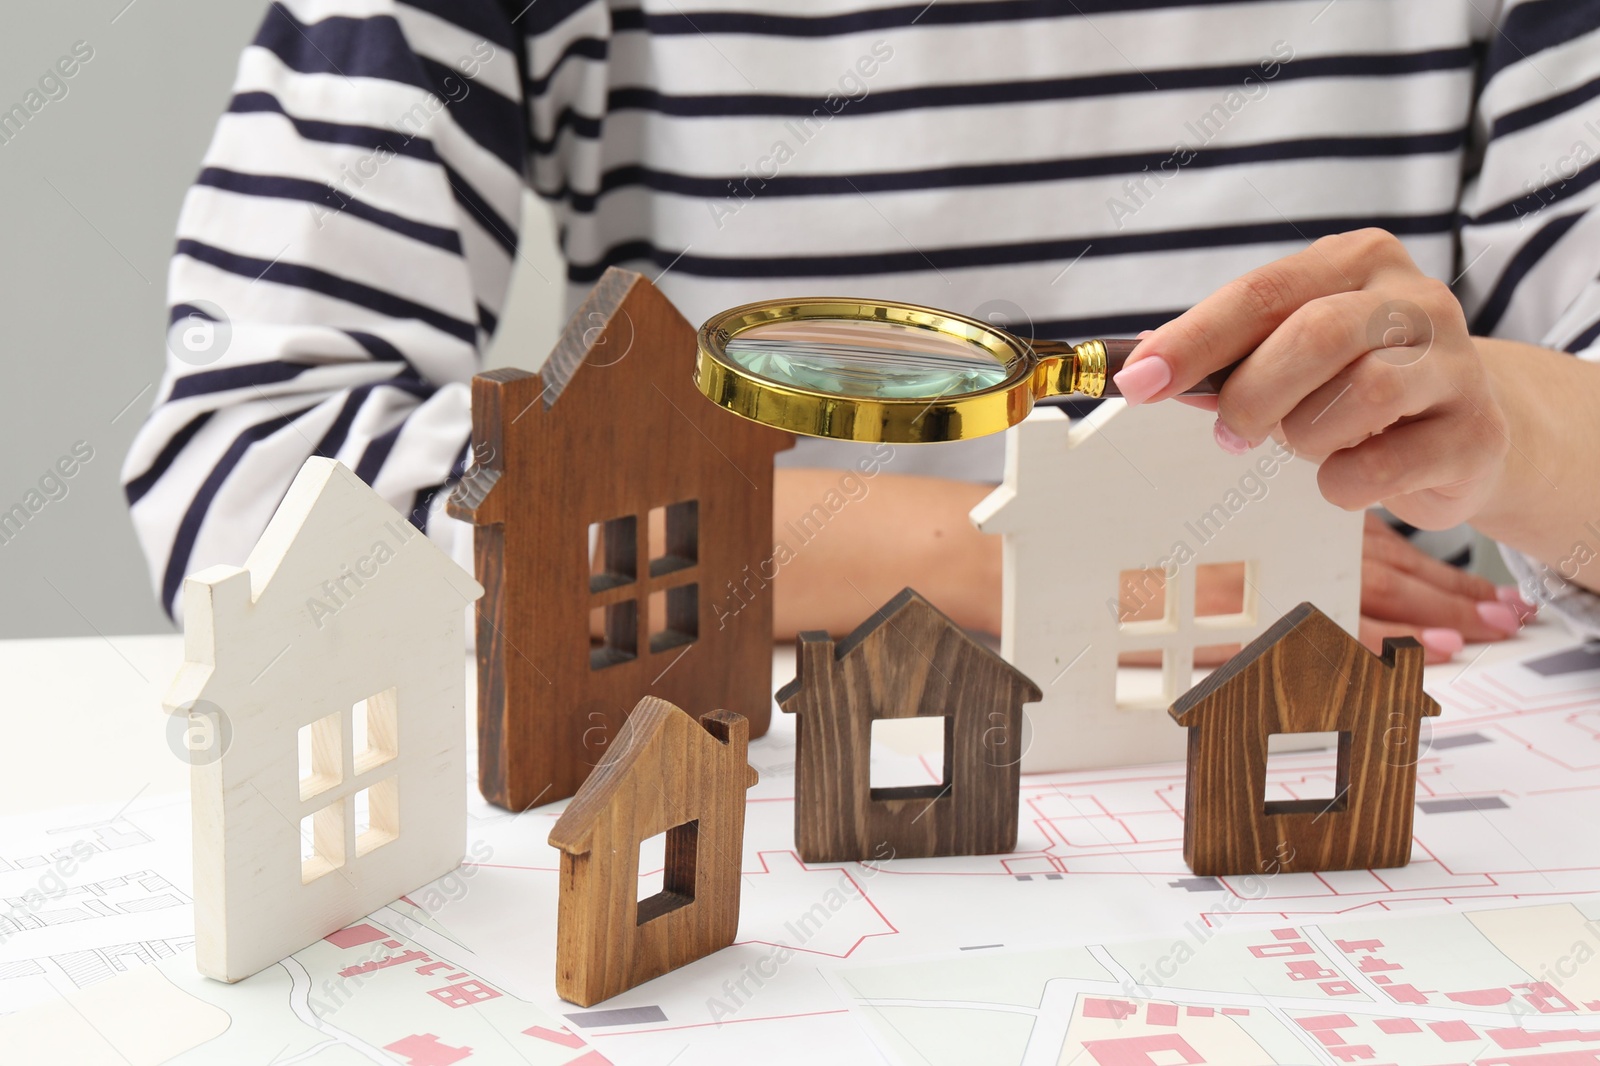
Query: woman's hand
point(1408, 593)
point(1357, 360)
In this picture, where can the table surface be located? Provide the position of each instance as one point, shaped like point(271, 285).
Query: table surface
point(1097, 860)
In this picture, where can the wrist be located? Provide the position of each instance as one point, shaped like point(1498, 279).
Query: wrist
point(1517, 504)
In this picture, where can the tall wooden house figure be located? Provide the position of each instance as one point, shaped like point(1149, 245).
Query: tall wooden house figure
point(325, 687)
point(1304, 675)
point(611, 445)
point(909, 660)
point(668, 774)
point(1106, 524)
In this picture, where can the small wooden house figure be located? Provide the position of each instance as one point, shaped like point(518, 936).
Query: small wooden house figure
point(611, 444)
point(1304, 675)
point(325, 680)
point(665, 773)
point(909, 660)
point(1107, 523)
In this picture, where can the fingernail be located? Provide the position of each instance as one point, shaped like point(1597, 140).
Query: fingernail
point(1228, 440)
point(1444, 642)
point(1498, 615)
point(1137, 382)
point(1143, 333)
point(1508, 595)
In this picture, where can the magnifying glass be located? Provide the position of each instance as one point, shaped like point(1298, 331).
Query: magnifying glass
point(874, 371)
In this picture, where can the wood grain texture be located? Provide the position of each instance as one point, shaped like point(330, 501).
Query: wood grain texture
point(341, 602)
point(1134, 488)
point(612, 427)
point(908, 660)
point(1304, 674)
point(665, 773)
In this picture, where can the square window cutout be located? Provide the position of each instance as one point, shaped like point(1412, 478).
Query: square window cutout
point(1298, 782)
point(674, 537)
point(1145, 686)
point(1207, 657)
point(377, 815)
point(674, 617)
point(320, 755)
point(1142, 600)
point(322, 842)
point(374, 722)
point(613, 553)
point(676, 854)
point(618, 627)
point(902, 752)
point(1225, 593)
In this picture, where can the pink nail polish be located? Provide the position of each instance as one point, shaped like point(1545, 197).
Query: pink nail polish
point(1228, 440)
point(1137, 382)
point(1442, 641)
point(1508, 595)
point(1499, 615)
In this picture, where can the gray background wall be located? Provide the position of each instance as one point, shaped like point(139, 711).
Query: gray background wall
point(91, 188)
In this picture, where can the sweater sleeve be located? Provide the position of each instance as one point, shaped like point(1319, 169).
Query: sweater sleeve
point(1530, 228)
point(341, 260)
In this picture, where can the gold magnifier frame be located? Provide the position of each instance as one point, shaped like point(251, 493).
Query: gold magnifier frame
point(1032, 370)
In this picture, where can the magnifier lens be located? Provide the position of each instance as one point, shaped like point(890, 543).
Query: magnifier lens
point(868, 359)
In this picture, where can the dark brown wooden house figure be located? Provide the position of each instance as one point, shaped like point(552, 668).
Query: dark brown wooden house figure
point(1304, 675)
point(908, 660)
point(612, 434)
point(669, 774)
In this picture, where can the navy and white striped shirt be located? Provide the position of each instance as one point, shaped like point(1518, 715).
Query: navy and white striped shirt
point(1089, 168)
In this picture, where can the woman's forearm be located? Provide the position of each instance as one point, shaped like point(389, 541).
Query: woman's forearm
point(1546, 501)
point(845, 544)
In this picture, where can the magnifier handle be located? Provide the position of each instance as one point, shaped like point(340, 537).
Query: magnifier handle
point(1117, 352)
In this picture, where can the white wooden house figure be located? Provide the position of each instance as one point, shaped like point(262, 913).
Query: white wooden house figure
point(325, 682)
point(1146, 490)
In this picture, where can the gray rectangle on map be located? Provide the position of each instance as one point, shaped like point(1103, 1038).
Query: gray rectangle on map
point(1571, 661)
point(1462, 803)
point(1460, 740)
point(591, 1019)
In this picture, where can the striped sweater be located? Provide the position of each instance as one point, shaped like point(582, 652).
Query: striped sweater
point(1074, 169)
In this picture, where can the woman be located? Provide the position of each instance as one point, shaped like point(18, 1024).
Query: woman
point(1295, 174)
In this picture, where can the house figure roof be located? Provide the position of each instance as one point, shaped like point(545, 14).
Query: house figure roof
point(328, 508)
point(329, 525)
point(1306, 634)
point(648, 743)
point(908, 611)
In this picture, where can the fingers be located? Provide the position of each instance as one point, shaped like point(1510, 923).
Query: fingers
point(1330, 375)
point(1444, 453)
point(1438, 645)
point(1364, 399)
point(1229, 324)
point(1381, 543)
point(1396, 596)
point(1502, 608)
point(1508, 595)
point(1312, 346)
